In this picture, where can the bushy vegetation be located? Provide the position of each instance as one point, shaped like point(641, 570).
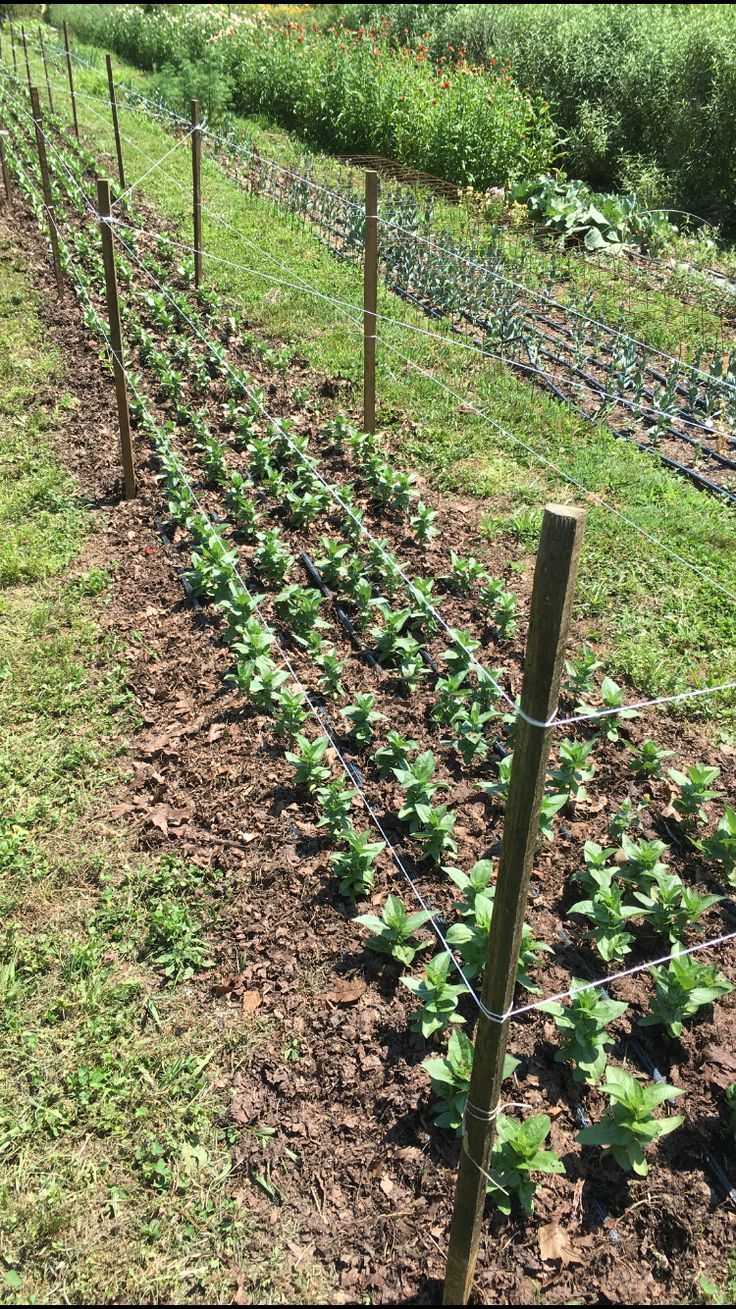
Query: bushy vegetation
point(346, 91)
point(644, 94)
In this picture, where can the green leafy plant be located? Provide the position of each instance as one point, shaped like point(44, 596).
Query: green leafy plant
point(671, 907)
point(432, 827)
point(608, 915)
point(335, 802)
point(695, 793)
point(355, 867)
point(394, 933)
point(363, 717)
point(720, 848)
point(309, 770)
point(628, 1125)
point(648, 759)
point(582, 1026)
point(681, 988)
point(394, 755)
point(437, 996)
point(516, 1153)
point(575, 769)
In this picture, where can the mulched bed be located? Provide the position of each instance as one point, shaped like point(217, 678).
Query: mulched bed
point(336, 1070)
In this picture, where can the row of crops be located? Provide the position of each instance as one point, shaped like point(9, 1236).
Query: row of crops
point(683, 413)
point(382, 661)
point(502, 300)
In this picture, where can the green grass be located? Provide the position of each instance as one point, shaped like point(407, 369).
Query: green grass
point(658, 624)
point(115, 1073)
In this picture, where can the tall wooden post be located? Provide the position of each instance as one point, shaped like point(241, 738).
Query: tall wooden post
point(46, 186)
point(116, 125)
point(71, 78)
point(549, 621)
point(370, 294)
point(4, 165)
point(104, 209)
point(46, 70)
point(197, 192)
point(25, 52)
point(12, 46)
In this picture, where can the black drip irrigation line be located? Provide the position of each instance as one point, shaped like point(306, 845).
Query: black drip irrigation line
point(648, 1065)
point(343, 618)
point(199, 612)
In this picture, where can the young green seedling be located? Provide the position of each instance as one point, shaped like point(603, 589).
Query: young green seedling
point(647, 759)
point(437, 995)
point(309, 770)
point(671, 907)
point(682, 988)
point(720, 848)
point(579, 681)
point(695, 793)
point(450, 1077)
point(394, 755)
point(394, 933)
point(575, 769)
point(432, 827)
point(355, 867)
point(363, 717)
point(335, 802)
point(628, 1125)
point(517, 1153)
point(608, 915)
point(582, 1026)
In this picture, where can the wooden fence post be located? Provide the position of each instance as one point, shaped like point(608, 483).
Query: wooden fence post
point(25, 52)
point(46, 70)
point(197, 192)
point(46, 186)
point(71, 78)
point(549, 621)
point(104, 209)
point(4, 165)
point(370, 293)
point(12, 46)
point(116, 125)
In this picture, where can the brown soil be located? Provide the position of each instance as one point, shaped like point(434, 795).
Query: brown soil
point(335, 1068)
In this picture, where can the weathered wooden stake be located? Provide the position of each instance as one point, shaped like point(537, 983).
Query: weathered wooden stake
point(116, 125)
point(197, 192)
point(4, 165)
point(370, 293)
point(71, 78)
point(25, 52)
point(46, 70)
point(46, 186)
point(549, 621)
point(12, 46)
point(104, 209)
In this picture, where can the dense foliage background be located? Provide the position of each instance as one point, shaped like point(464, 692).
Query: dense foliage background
point(640, 96)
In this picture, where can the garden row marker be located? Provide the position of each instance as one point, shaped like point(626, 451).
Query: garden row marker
point(116, 125)
point(197, 192)
point(46, 69)
point(46, 184)
point(370, 292)
point(71, 78)
point(104, 207)
point(549, 621)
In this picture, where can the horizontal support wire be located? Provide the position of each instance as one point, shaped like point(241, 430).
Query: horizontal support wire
point(323, 720)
